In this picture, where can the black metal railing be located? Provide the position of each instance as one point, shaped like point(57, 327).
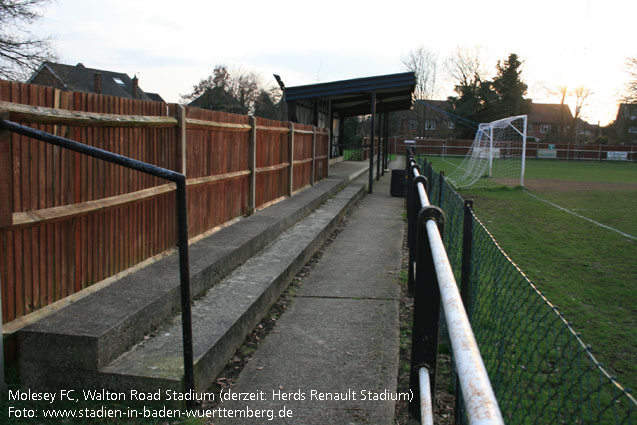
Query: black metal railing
point(432, 283)
point(182, 224)
point(541, 369)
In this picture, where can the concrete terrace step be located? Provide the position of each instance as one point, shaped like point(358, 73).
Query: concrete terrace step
point(92, 343)
point(98, 328)
point(231, 309)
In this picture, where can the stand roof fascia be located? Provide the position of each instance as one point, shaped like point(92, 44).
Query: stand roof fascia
point(394, 92)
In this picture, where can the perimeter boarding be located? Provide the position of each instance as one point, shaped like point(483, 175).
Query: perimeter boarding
point(432, 283)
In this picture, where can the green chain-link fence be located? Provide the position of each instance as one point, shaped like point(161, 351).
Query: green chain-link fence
point(541, 370)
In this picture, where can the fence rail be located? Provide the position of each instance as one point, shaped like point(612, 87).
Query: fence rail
point(541, 370)
point(534, 150)
point(433, 284)
point(68, 221)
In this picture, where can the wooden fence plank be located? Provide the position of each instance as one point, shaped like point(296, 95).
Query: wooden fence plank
point(43, 115)
point(77, 220)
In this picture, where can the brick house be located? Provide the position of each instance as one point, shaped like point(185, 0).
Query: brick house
point(550, 122)
point(89, 80)
point(427, 120)
point(626, 123)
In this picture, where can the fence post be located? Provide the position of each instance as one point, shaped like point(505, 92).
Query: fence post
point(312, 174)
point(412, 228)
point(328, 151)
point(441, 185)
point(467, 240)
point(6, 177)
point(6, 215)
point(465, 278)
point(291, 158)
point(181, 139)
point(430, 177)
point(424, 342)
point(252, 164)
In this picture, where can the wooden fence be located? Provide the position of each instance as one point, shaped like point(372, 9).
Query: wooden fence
point(68, 221)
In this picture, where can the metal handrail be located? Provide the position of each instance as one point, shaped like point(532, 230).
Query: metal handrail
point(182, 224)
point(479, 398)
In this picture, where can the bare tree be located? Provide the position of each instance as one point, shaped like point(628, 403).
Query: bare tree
point(21, 53)
point(245, 86)
point(424, 63)
point(630, 96)
point(560, 92)
point(464, 66)
point(581, 94)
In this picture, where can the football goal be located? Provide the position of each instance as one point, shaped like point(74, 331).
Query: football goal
point(497, 155)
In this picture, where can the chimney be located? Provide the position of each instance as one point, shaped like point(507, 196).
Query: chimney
point(135, 87)
point(97, 82)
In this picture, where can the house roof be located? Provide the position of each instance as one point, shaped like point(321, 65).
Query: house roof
point(82, 79)
point(394, 92)
point(155, 97)
point(625, 110)
point(550, 113)
point(218, 99)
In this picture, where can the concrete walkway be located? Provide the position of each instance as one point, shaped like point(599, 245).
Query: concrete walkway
point(333, 356)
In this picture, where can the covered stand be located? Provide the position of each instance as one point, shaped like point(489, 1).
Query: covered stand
point(324, 103)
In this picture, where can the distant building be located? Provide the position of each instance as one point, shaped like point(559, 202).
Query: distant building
point(550, 122)
point(89, 80)
point(218, 99)
point(626, 123)
point(586, 132)
point(427, 120)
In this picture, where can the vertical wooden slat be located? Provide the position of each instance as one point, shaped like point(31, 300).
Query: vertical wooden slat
point(6, 177)
point(313, 171)
point(291, 159)
point(8, 277)
point(59, 262)
point(252, 165)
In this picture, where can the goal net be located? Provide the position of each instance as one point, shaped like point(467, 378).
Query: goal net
point(496, 156)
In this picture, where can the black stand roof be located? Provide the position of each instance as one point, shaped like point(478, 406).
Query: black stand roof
point(394, 92)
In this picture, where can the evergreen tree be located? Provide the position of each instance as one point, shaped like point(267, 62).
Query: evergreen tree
point(481, 100)
point(509, 89)
point(265, 107)
point(473, 103)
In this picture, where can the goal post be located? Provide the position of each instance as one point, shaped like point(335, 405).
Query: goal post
point(497, 155)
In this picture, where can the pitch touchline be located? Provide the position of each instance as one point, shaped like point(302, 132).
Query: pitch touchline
point(581, 216)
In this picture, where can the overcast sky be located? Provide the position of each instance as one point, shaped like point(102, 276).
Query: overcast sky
point(171, 45)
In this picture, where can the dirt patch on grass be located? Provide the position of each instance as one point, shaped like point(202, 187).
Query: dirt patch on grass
point(541, 185)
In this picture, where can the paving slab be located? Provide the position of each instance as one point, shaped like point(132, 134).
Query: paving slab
point(332, 358)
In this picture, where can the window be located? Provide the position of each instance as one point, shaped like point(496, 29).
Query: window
point(451, 125)
point(545, 128)
point(530, 128)
point(412, 124)
point(118, 81)
point(430, 125)
point(633, 117)
point(632, 130)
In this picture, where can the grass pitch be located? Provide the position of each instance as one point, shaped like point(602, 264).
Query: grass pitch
point(588, 271)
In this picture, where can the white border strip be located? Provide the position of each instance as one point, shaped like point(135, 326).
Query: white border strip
point(581, 216)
